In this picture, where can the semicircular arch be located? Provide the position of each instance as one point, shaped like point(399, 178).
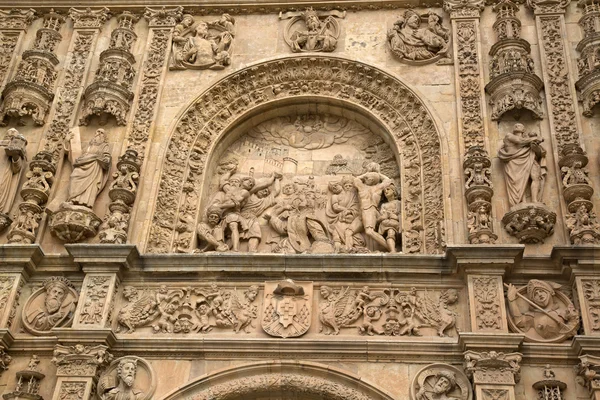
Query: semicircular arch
point(408, 124)
point(306, 380)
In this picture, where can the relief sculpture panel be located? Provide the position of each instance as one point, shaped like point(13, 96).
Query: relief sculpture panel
point(305, 184)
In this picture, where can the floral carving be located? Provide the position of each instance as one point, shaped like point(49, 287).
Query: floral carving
point(72, 390)
point(96, 290)
point(16, 18)
point(203, 124)
point(488, 303)
point(591, 294)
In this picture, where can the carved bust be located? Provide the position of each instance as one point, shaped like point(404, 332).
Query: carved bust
point(51, 306)
point(440, 382)
point(127, 378)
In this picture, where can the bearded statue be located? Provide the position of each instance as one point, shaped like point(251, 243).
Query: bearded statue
point(120, 387)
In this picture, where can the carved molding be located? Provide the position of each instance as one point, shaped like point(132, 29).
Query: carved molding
point(459, 9)
point(588, 289)
point(208, 119)
point(96, 297)
point(111, 92)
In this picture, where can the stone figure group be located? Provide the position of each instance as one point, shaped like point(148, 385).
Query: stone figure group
point(318, 35)
point(362, 213)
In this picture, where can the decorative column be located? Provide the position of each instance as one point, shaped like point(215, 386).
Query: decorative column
point(589, 370)
point(472, 127)
point(564, 119)
point(123, 190)
point(588, 64)
point(111, 94)
point(13, 24)
point(31, 91)
point(43, 166)
point(494, 374)
point(78, 367)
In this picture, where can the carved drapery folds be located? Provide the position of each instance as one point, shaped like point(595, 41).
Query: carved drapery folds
point(312, 30)
point(588, 64)
point(493, 374)
point(204, 124)
point(513, 83)
point(42, 168)
point(28, 382)
point(31, 91)
point(111, 92)
point(11, 167)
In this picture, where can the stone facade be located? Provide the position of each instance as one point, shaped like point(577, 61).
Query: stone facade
point(358, 200)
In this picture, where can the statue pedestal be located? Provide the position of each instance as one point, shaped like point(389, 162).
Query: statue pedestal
point(529, 222)
point(72, 223)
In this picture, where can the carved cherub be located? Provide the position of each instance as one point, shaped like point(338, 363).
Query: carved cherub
point(575, 175)
point(478, 176)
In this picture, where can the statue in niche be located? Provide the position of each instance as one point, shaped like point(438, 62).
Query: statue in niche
point(90, 172)
point(370, 186)
point(409, 42)
point(524, 165)
point(317, 36)
point(204, 44)
point(125, 379)
point(10, 168)
point(542, 312)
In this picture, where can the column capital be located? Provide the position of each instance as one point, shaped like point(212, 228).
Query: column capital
point(16, 19)
point(492, 367)
point(464, 8)
point(164, 17)
point(80, 360)
point(89, 18)
point(548, 7)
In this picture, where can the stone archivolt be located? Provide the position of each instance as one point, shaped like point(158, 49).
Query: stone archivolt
point(31, 91)
point(513, 83)
point(588, 63)
point(111, 93)
point(204, 123)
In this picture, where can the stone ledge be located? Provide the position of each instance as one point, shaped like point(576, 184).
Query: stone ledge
point(21, 257)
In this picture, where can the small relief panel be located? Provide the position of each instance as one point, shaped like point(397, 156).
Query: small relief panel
point(312, 30)
point(128, 377)
point(287, 308)
point(541, 312)
point(51, 306)
point(387, 311)
point(440, 382)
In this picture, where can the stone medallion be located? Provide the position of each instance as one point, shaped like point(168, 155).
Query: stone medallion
point(51, 306)
point(287, 308)
point(128, 377)
point(440, 381)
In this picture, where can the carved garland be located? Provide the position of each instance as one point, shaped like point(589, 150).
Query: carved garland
point(204, 122)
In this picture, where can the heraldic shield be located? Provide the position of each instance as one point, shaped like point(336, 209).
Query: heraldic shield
point(287, 308)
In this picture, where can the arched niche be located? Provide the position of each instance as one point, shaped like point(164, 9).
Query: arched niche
point(279, 380)
point(327, 84)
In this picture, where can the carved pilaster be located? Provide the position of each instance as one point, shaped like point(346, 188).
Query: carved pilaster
point(588, 64)
point(77, 370)
point(486, 303)
point(589, 371)
point(472, 127)
point(588, 290)
point(493, 374)
point(124, 189)
point(111, 94)
point(10, 291)
point(43, 166)
point(31, 91)
point(513, 85)
point(97, 295)
point(13, 24)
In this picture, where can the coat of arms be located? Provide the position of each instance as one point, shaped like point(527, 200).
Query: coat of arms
point(287, 308)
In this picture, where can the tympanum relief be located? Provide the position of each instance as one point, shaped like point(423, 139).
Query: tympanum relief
point(420, 38)
point(312, 30)
point(541, 312)
point(51, 306)
point(75, 219)
point(388, 312)
point(279, 189)
point(127, 378)
point(202, 45)
point(188, 310)
point(524, 158)
point(440, 382)
point(11, 167)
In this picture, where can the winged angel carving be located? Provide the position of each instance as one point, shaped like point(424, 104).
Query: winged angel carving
point(405, 312)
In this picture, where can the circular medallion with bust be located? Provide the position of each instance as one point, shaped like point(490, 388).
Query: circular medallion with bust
point(541, 312)
point(127, 378)
point(51, 306)
point(440, 382)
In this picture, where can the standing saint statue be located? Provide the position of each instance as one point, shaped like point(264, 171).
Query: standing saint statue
point(10, 168)
point(90, 172)
point(524, 165)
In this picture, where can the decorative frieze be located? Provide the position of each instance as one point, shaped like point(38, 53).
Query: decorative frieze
point(16, 19)
point(513, 85)
point(31, 91)
point(493, 374)
point(111, 92)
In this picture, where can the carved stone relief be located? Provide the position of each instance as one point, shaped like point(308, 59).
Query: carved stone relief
point(11, 167)
point(488, 303)
point(525, 170)
point(589, 289)
point(50, 306)
point(494, 374)
point(16, 18)
point(479, 191)
point(287, 308)
point(203, 45)
point(272, 189)
point(75, 220)
point(549, 388)
point(72, 391)
point(513, 83)
point(31, 91)
point(128, 377)
point(36, 189)
point(312, 31)
point(111, 92)
point(188, 310)
point(6, 288)
point(440, 381)
point(28, 382)
point(541, 312)
point(201, 126)
point(95, 292)
point(5, 359)
point(414, 44)
point(80, 360)
point(588, 64)
point(589, 372)
point(389, 312)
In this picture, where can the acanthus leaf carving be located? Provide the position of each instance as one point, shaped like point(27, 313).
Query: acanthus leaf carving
point(16, 18)
point(89, 18)
point(488, 303)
